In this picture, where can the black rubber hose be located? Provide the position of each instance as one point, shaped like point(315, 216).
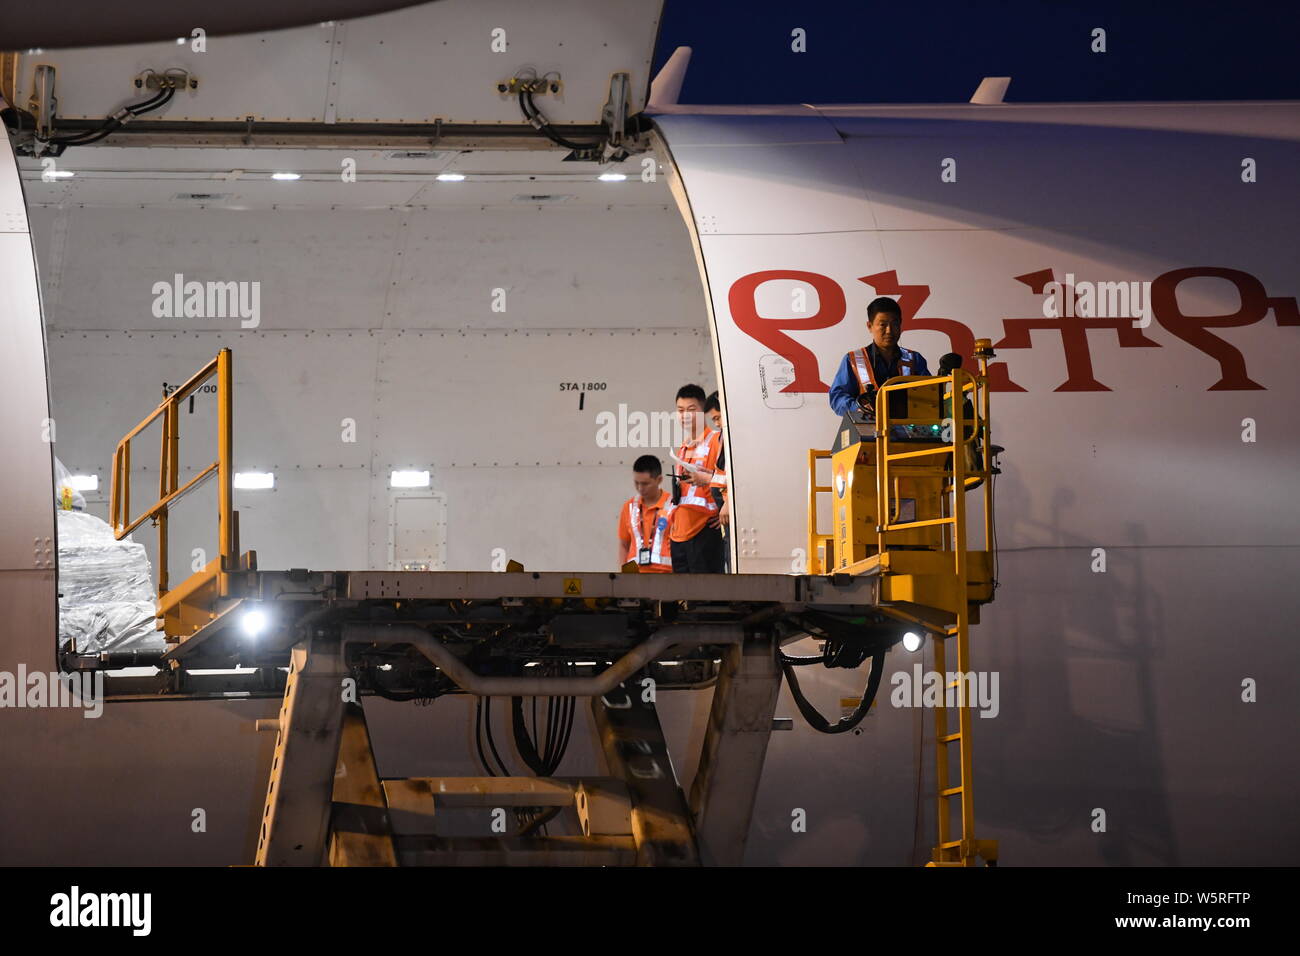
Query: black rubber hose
point(552, 709)
point(112, 124)
point(523, 743)
point(487, 730)
point(571, 707)
point(819, 723)
point(543, 126)
point(478, 737)
point(535, 733)
point(563, 747)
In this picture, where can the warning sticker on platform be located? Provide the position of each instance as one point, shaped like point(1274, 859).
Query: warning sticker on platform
point(573, 585)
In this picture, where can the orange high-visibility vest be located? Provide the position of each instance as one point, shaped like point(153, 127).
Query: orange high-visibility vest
point(866, 373)
point(660, 558)
point(696, 503)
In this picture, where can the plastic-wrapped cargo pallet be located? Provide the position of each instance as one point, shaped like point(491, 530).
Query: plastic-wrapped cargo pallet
point(106, 595)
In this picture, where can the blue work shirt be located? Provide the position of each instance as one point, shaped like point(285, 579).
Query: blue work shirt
point(845, 390)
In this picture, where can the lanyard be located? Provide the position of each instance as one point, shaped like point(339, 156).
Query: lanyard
point(636, 522)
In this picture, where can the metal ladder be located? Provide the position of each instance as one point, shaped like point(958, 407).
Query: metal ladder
point(960, 848)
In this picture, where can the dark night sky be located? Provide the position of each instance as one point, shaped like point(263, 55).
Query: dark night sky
point(910, 52)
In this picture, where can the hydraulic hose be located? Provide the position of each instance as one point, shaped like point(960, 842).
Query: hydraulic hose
point(114, 122)
point(819, 723)
point(540, 123)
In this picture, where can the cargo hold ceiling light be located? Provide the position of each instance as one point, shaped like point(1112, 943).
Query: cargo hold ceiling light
point(912, 641)
point(409, 479)
point(450, 177)
point(254, 480)
point(612, 177)
point(286, 176)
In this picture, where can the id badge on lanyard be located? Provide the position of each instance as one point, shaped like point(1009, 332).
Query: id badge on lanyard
point(644, 551)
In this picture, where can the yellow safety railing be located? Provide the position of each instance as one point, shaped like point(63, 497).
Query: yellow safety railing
point(962, 849)
point(169, 489)
point(951, 461)
point(816, 538)
point(955, 387)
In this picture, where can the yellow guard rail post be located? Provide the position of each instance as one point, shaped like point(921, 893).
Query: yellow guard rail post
point(962, 850)
point(170, 491)
point(820, 559)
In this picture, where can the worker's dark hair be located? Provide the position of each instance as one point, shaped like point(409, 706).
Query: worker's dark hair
point(883, 304)
point(648, 465)
point(711, 404)
point(691, 391)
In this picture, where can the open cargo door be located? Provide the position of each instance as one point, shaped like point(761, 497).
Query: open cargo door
point(441, 64)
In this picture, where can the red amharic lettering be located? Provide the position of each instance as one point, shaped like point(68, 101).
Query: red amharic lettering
point(1191, 328)
point(1074, 337)
point(1073, 329)
point(830, 310)
point(910, 299)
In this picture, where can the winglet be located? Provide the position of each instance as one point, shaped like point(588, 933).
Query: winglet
point(991, 90)
point(667, 84)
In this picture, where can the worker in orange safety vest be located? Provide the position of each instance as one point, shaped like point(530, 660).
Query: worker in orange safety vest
point(697, 545)
point(644, 521)
point(713, 411)
point(864, 370)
